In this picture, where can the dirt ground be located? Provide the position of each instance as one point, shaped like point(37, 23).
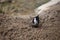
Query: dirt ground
point(17, 28)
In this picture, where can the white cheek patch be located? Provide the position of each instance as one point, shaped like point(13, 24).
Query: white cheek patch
point(35, 21)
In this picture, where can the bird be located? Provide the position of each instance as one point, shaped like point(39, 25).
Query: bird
point(35, 21)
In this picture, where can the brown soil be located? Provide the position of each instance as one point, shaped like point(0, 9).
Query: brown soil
point(17, 28)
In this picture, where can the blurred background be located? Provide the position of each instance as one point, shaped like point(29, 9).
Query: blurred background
point(20, 6)
point(13, 27)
